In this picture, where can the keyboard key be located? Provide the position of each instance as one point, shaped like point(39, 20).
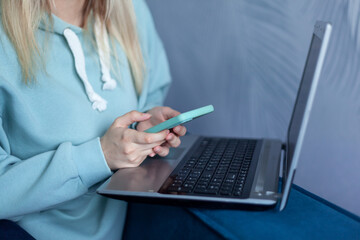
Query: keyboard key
point(231, 176)
point(229, 181)
point(237, 193)
point(225, 193)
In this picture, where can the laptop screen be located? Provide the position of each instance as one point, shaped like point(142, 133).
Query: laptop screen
point(301, 100)
point(303, 104)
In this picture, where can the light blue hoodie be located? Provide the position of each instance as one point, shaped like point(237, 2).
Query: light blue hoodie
point(51, 160)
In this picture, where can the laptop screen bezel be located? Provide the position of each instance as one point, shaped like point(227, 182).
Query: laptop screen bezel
point(322, 30)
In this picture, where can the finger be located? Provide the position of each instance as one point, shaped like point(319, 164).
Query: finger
point(146, 147)
point(179, 130)
point(130, 117)
point(162, 151)
point(166, 144)
point(149, 152)
point(149, 138)
point(137, 161)
point(173, 140)
point(169, 113)
point(140, 159)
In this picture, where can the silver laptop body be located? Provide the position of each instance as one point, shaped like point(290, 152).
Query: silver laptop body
point(149, 182)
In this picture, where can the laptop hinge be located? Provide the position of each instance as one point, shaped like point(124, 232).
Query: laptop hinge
point(283, 170)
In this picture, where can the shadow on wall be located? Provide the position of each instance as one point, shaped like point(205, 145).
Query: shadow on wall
point(246, 58)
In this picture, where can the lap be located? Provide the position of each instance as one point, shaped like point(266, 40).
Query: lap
point(147, 221)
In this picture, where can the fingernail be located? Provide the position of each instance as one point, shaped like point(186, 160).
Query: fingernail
point(146, 115)
point(156, 149)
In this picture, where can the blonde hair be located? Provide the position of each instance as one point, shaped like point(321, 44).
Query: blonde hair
point(21, 18)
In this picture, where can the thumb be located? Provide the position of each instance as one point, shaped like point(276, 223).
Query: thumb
point(129, 118)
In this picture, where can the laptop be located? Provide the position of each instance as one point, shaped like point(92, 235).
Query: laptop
point(228, 172)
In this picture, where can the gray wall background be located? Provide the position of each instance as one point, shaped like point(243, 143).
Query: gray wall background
point(246, 58)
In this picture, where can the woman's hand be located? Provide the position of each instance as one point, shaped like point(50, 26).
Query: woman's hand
point(124, 147)
point(159, 115)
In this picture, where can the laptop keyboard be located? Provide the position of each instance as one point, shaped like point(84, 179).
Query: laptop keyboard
point(217, 167)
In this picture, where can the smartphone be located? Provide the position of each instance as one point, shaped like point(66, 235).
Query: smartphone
point(181, 119)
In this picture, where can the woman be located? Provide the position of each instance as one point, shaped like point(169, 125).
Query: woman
point(68, 70)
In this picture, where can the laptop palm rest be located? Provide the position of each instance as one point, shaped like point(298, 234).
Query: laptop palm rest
point(152, 173)
point(267, 171)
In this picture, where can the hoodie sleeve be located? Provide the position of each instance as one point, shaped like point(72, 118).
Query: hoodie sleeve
point(157, 80)
point(47, 179)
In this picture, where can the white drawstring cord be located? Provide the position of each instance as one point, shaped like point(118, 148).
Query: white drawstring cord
point(104, 55)
point(98, 103)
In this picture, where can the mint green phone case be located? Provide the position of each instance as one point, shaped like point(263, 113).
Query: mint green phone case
point(180, 119)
